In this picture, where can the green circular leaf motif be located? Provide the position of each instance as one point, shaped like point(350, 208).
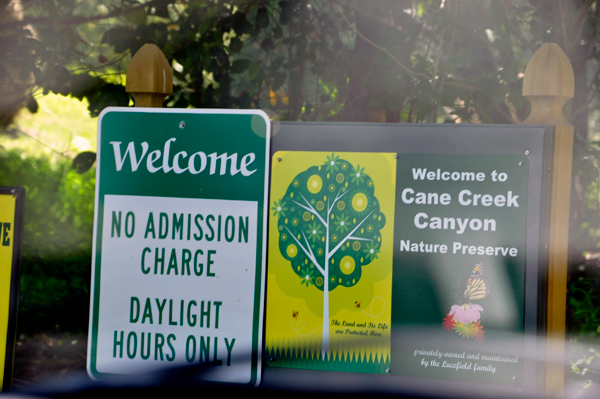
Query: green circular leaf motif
point(330, 227)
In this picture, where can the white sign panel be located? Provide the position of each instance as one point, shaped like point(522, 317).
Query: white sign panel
point(148, 248)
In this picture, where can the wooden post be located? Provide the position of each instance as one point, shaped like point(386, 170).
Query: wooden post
point(548, 83)
point(149, 77)
point(377, 115)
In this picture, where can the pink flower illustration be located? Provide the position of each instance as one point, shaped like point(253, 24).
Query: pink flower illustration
point(467, 313)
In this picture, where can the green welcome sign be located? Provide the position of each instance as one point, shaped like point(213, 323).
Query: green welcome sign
point(179, 242)
point(460, 243)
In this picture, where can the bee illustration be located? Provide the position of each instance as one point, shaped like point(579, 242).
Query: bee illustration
point(295, 314)
point(357, 305)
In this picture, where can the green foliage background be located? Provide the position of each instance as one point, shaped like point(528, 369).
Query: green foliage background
point(57, 241)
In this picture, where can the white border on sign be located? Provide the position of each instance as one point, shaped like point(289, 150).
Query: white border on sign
point(257, 112)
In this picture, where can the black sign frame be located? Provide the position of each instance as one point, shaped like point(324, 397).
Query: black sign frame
point(19, 194)
point(534, 141)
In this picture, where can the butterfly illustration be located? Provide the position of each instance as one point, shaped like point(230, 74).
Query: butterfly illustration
point(477, 286)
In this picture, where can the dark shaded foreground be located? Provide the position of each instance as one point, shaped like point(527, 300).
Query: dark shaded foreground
point(44, 357)
point(54, 366)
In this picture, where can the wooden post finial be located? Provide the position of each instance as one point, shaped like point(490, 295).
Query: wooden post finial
point(548, 83)
point(149, 77)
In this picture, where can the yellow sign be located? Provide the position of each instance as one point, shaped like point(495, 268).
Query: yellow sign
point(330, 260)
point(10, 202)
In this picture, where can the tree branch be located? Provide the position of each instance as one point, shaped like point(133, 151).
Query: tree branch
point(337, 198)
point(348, 236)
point(359, 238)
point(306, 252)
point(71, 21)
point(564, 29)
point(397, 61)
point(437, 58)
point(312, 254)
point(310, 209)
point(516, 30)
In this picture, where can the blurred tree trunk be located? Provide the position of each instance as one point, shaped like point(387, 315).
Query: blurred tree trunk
point(14, 88)
point(576, 39)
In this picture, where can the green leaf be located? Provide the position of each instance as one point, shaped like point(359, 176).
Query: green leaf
point(254, 69)
point(220, 55)
point(67, 3)
point(286, 13)
point(262, 18)
point(108, 95)
point(161, 8)
point(120, 38)
point(296, 83)
point(276, 64)
point(394, 102)
point(267, 44)
point(235, 45)
point(377, 99)
point(84, 161)
point(137, 17)
point(239, 66)
point(424, 109)
point(292, 63)
point(240, 24)
point(278, 81)
point(32, 105)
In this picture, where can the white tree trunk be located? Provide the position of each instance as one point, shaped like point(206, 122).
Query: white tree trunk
point(325, 342)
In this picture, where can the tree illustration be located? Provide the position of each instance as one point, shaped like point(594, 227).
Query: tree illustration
point(329, 228)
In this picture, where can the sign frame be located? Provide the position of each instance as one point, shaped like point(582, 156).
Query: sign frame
point(189, 118)
point(534, 141)
point(18, 193)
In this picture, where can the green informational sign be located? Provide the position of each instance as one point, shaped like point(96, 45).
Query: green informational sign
point(414, 252)
point(179, 241)
point(459, 266)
